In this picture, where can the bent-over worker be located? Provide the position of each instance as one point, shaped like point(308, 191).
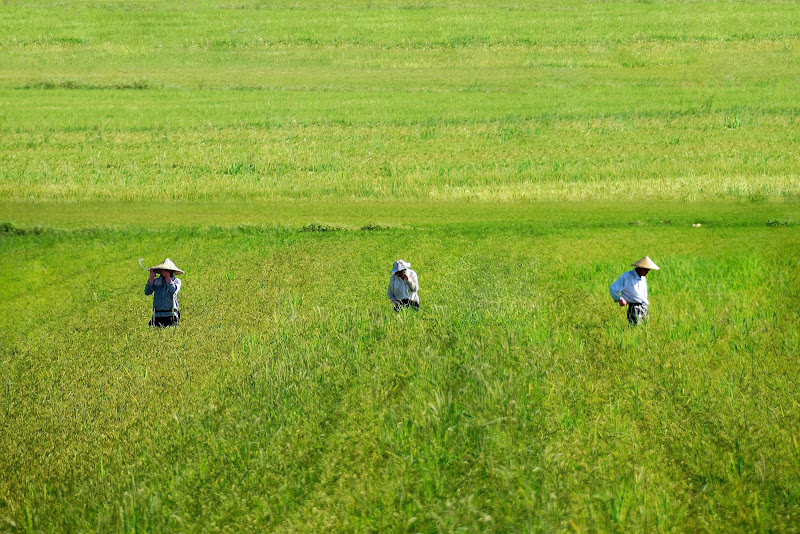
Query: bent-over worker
point(403, 286)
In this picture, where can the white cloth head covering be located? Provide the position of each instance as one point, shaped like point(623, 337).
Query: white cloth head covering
point(646, 263)
point(168, 265)
point(400, 265)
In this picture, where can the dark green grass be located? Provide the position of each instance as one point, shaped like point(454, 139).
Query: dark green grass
point(189, 218)
point(292, 398)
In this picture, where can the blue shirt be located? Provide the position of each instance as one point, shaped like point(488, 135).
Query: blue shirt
point(631, 287)
point(165, 296)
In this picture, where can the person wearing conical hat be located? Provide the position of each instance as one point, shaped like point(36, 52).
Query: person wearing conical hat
point(631, 290)
point(403, 286)
point(164, 289)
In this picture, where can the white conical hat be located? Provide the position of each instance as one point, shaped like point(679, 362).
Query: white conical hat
point(646, 263)
point(168, 265)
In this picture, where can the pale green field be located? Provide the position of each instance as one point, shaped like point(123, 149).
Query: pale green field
point(519, 154)
point(445, 101)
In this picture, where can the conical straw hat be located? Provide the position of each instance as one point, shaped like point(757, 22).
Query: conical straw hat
point(646, 263)
point(168, 265)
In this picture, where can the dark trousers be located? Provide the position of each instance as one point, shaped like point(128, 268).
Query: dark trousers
point(162, 322)
point(405, 303)
point(637, 313)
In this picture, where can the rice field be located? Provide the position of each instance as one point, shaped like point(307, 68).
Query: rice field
point(519, 154)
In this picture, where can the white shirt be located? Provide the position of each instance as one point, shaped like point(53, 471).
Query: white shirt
point(631, 287)
point(400, 289)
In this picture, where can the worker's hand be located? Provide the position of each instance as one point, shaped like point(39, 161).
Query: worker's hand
point(152, 274)
point(403, 275)
point(623, 302)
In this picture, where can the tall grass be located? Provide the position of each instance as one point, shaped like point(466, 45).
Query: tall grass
point(293, 398)
point(519, 154)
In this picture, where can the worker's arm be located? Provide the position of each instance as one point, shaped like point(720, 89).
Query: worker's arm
point(173, 285)
point(412, 282)
point(149, 287)
point(616, 290)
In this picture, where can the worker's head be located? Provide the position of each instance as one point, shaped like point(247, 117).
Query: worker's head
point(167, 267)
point(400, 266)
point(644, 266)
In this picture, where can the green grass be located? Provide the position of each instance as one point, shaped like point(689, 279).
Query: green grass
point(292, 398)
point(519, 101)
point(519, 154)
point(685, 158)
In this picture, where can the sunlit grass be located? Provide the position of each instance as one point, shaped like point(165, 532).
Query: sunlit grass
point(292, 397)
point(693, 157)
point(575, 101)
point(519, 154)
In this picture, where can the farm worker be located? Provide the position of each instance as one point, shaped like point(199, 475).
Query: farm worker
point(631, 290)
point(164, 289)
point(403, 286)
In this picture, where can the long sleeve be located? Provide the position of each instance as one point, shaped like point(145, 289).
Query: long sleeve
point(400, 289)
point(174, 286)
point(149, 288)
point(631, 287)
point(165, 296)
point(412, 282)
point(617, 287)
